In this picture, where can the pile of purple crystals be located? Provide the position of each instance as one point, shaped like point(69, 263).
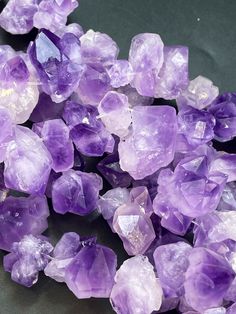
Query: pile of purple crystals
point(172, 200)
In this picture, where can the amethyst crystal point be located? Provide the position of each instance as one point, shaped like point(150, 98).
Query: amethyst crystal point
point(228, 199)
point(58, 74)
point(29, 256)
point(140, 195)
point(134, 227)
point(197, 126)
point(224, 111)
point(94, 84)
point(208, 277)
point(27, 162)
point(20, 216)
point(120, 73)
point(91, 273)
point(110, 169)
point(76, 192)
point(200, 93)
point(55, 135)
point(15, 71)
point(151, 145)
point(136, 289)
point(17, 16)
point(171, 261)
point(98, 48)
point(115, 114)
point(87, 131)
point(225, 163)
point(46, 109)
point(173, 76)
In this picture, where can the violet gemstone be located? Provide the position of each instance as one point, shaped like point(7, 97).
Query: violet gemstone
point(87, 131)
point(20, 216)
point(208, 277)
point(197, 126)
point(110, 169)
point(199, 94)
point(76, 192)
point(136, 289)
point(134, 227)
point(57, 71)
point(224, 111)
point(171, 261)
point(7, 131)
point(91, 272)
point(15, 71)
point(98, 47)
point(134, 98)
point(151, 145)
point(73, 28)
point(173, 76)
point(29, 256)
point(27, 162)
point(140, 195)
point(17, 16)
point(55, 135)
point(120, 73)
point(46, 109)
point(231, 309)
point(225, 163)
point(228, 198)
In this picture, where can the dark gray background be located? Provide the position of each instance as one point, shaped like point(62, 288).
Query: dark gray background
point(208, 27)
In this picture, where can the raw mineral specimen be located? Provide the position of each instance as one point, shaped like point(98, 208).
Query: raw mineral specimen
point(120, 73)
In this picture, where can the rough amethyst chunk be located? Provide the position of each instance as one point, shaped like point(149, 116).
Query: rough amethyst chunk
point(20, 216)
point(76, 192)
point(120, 73)
point(151, 145)
point(136, 289)
point(29, 256)
point(225, 163)
point(140, 195)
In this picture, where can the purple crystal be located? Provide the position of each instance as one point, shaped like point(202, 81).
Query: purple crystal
point(110, 169)
point(200, 93)
point(20, 216)
point(134, 98)
point(225, 163)
point(120, 73)
point(76, 192)
point(171, 261)
point(224, 111)
point(58, 73)
point(27, 162)
point(29, 256)
point(136, 289)
point(173, 76)
point(197, 126)
point(46, 109)
point(228, 198)
point(55, 135)
point(17, 16)
point(91, 272)
point(151, 145)
point(140, 196)
point(15, 71)
point(134, 227)
point(87, 131)
point(208, 277)
point(98, 47)
point(231, 309)
point(73, 28)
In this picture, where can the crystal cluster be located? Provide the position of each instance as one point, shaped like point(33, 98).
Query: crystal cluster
point(164, 189)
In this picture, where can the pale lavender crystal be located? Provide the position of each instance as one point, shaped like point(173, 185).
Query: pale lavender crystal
point(27, 162)
point(94, 84)
point(171, 261)
point(151, 145)
point(173, 76)
point(225, 163)
point(28, 256)
point(115, 114)
point(134, 227)
point(120, 73)
point(73, 28)
point(98, 47)
point(200, 93)
point(55, 135)
point(231, 309)
point(20, 216)
point(136, 289)
point(134, 98)
point(87, 131)
point(224, 111)
point(197, 126)
point(91, 272)
point(7, 131)
point(58, 69)
point(228, 198)
point(140, 195)
point(208, 277)
point(76, 192)
point(17, 16)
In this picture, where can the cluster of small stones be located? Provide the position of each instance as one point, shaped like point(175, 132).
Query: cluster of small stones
point(172, 199)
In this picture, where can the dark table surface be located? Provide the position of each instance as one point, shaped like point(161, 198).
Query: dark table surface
point(208, 27)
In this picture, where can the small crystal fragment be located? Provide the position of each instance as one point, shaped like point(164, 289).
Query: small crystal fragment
point(120, 73)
